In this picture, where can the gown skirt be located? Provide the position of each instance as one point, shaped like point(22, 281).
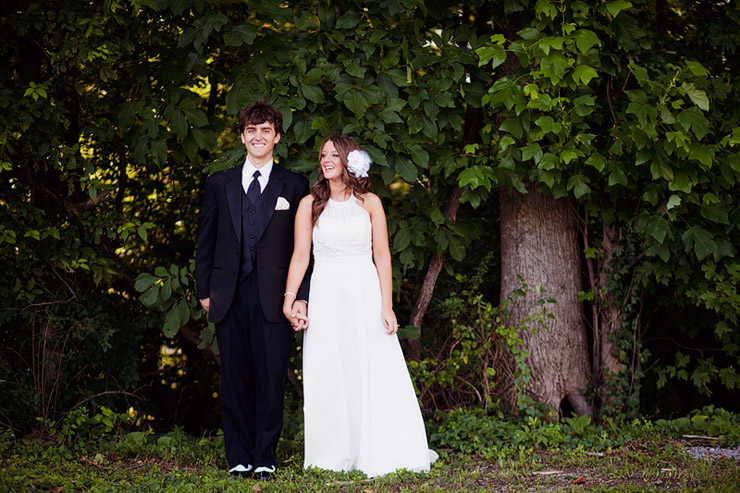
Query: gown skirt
point(360, 407)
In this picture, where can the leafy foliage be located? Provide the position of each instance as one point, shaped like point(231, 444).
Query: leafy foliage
point(707, 422)
point(481, 344)
point(494, 437)
point(643, 136)
point(114, 112)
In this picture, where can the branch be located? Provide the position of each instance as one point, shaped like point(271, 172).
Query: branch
point(92, 203)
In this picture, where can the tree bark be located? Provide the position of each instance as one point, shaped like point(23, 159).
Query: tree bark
point(539, 241)
point(610, 312)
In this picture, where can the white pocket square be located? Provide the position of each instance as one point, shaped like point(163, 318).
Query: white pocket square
point(282, 204)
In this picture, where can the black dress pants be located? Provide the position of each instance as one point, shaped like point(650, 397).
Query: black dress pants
point(254, 362)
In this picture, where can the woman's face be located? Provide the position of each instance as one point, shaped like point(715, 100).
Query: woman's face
point(330, 162)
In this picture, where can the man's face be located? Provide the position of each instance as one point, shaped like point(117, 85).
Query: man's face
point(260, 140)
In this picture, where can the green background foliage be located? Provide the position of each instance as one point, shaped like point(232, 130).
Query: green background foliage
point(113, 114)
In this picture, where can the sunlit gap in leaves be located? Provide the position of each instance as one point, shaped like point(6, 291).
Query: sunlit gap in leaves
point(138, 419)
point(171, 358)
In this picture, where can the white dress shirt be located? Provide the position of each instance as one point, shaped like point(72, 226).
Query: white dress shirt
point(248, 170)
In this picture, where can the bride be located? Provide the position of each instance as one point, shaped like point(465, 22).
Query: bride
point(360, 408)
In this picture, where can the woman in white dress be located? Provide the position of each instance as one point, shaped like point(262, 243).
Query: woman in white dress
point(360, 408)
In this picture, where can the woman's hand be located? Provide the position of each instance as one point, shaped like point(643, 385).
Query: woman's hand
point(389, 321)
point(295, 312)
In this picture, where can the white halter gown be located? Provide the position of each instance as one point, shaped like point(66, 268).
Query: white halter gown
point(360, 408)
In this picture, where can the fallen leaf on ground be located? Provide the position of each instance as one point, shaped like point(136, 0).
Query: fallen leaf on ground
point(579, 480)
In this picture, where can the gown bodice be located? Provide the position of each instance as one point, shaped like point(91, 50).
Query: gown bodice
point(342, 230)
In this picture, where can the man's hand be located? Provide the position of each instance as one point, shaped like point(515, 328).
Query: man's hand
point(297, 318)
point(206, 304)
point(299, 313)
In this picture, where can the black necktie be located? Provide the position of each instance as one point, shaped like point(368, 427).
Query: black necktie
point(254, 190)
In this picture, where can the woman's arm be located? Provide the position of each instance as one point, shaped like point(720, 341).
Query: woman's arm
point(382, 258)
point(299, 261)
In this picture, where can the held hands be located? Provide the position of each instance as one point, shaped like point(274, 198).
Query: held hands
point(389, 321)
point(296, 313)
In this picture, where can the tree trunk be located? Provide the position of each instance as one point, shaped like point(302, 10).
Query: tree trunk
point(539, 241)
point(610, 314)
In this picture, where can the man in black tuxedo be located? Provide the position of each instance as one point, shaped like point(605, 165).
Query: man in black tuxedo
point(241, 264)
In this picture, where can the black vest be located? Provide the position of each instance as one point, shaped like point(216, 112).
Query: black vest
point(251, 219)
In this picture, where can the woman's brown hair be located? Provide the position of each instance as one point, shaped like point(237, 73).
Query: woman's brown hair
point(320, 190)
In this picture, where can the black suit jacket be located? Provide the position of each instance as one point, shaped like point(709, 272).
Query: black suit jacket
point(219, 241)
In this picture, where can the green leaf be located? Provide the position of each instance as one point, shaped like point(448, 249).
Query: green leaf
point(568, 155)
point(693, 119)
point(697, 96)
point(584, 73)
point(149, 297)
point(312, 93)
point(179, 124)
point(532, 151)
point(579, 185)
point(141, 231)
point(697, 68)
point(354, 69)
point(586, 39)
point(717, 214)
point(402, 240)
point(549, 161)
point(418, 155)
point(673, 202)
point(355, 101)
point(702, 153)
point(597, 161)
point(177, 316)
point(144, 281)
point(659, 169)
point(408, 332)
point(166, 290)
point(348, 20)
point(614, 8)
point(159, 152)
point(196, 117)
point(302, 131)
point(547, 124)
point(702, 241)
point(406, 170)
point(657, 227)
point(495, 54)
point(617, 177)
point(456, 248)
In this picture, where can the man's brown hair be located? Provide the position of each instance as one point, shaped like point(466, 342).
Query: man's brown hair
point(261, 112)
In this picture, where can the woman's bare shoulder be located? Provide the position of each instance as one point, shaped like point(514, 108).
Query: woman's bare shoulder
point(369, 198)
point(307, 201)
point(370, 202)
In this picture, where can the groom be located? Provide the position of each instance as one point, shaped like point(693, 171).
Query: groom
point(241, 264)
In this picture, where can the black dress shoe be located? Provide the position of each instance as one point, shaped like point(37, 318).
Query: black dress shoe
point(241, 471)
point(241, 474)
point(264, 476)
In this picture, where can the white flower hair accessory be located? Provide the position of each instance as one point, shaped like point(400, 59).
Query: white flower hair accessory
point(358, 162)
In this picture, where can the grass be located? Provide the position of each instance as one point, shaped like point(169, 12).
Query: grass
point(89, 452)
point(656, 465)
